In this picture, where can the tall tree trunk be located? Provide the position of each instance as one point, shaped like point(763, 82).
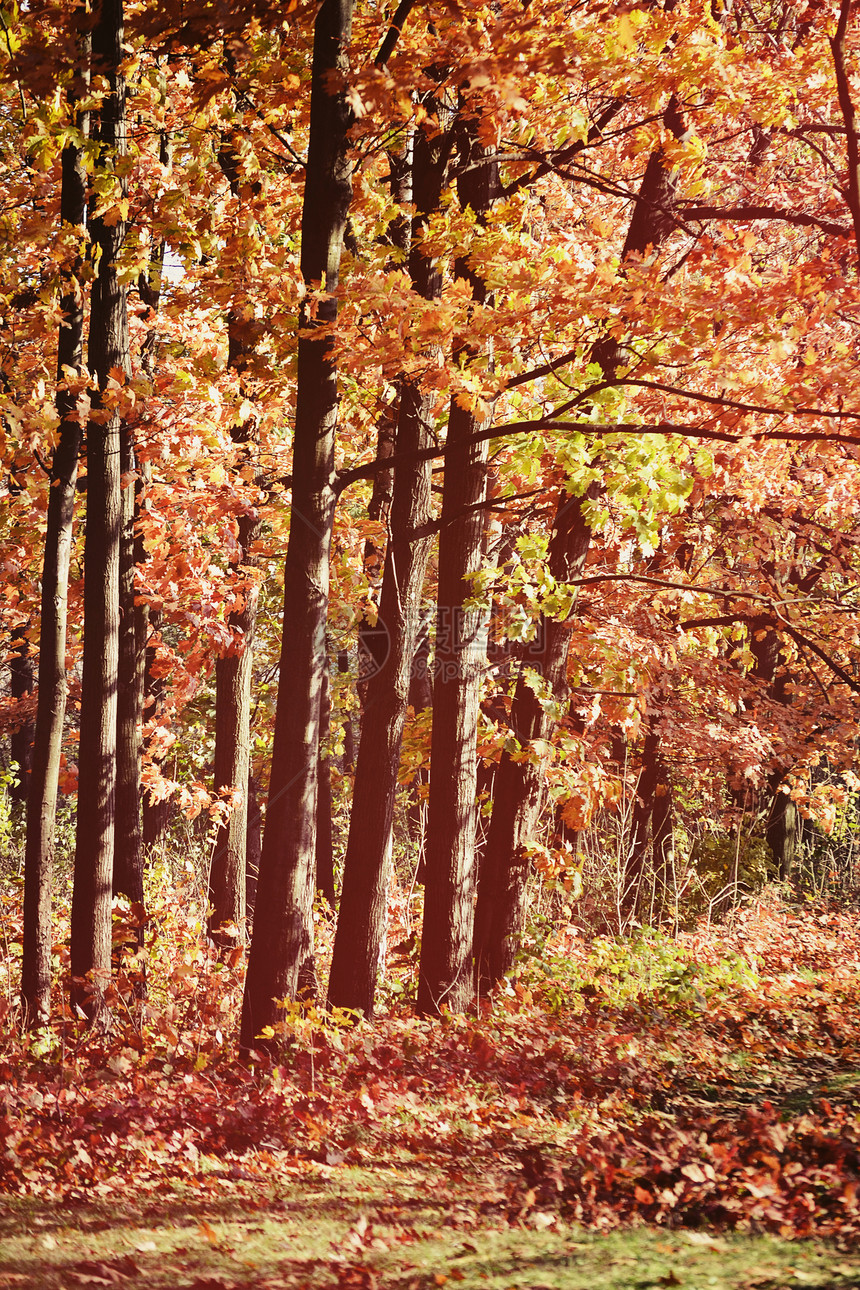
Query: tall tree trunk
point(153, 816)
point(360, 933)
point(227, 875)
point(108, 353)
point(51, 705)
point(233, 674)
point(367, 866)
point(281, 958)
point(663, 835)
point(128, 836)
point(134, 657)
point(445, 976)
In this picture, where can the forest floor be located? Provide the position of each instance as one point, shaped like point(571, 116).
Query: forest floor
point(642, 1113)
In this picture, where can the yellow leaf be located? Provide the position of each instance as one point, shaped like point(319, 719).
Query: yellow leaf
point(626, 34)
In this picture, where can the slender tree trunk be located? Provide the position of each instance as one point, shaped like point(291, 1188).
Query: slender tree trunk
point(227, 876)
point(445, 976)
point(156, 815)
point(325, 840)
point(782, 825)
point(153, 816)
point(663, 834)
point(51, 708)
point(367, 866)
point(633, 876)
point(281, 958)
point(253, 847)
point(420, 700)
point(233, 674)
point(108, 353)
point(128, 839)
point(360, 934)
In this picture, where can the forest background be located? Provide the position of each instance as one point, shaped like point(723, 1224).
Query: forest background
point(430, 451)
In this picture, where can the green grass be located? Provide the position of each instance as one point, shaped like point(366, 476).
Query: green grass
point(386, 1227)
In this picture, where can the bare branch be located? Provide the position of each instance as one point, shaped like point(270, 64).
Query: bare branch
point(742, 213)
point(393, 34)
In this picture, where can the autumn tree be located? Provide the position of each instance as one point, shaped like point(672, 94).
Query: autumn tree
point(52, 682)
point(281, 959)
point(108, 359)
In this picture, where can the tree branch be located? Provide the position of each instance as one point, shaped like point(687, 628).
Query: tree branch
point(849, 116)
point(371, 468)
point(765, 213)
point(844, 676)
point(718, 400)
point(393, 34)
point(549, 162)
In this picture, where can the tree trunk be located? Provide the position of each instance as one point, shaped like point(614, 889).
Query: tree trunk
point(360, 931)
point(364, 895)
point(51, 704)
point(663, 837)
point(156, 815)
point(281, 958)
point(227, 875)
point(128, 840)
point(253, 847)
point(633, 875)
point(445, 976)
point(108, 353)
point(233, 674)
point(325, 841)
point(420, 700)
point(782, 825)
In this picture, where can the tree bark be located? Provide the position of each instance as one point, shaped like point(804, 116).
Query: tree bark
point(633, 875)
point(281, 958)
point(325, 841)
point(253, 847)
point(128, 839)
point(445, 976)
point(156, 815)
point(108, 358)
point(782, 824)
point(367, 865)
point(51, 703)
point(360, 934)
point(233, 674)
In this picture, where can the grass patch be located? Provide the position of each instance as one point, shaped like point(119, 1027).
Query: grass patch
point(382, 1227)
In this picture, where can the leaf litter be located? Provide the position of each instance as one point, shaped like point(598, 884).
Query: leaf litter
point(733, 1120)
